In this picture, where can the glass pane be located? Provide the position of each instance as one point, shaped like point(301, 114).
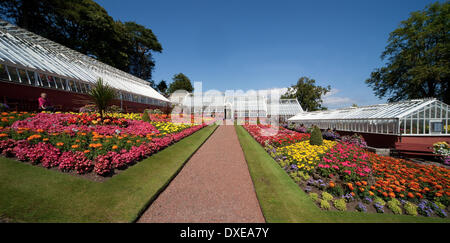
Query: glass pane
point(32, 78)
point(79, 87)
point(51, 81)
point(43, 79)
point(13, 74)
point(61, 83)
point(3, 73)
point(72, 86)
point(23, 76)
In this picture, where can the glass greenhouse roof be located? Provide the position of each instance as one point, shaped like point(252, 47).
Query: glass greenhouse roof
point(20, 48)
point(412, 117)
point(380, 111)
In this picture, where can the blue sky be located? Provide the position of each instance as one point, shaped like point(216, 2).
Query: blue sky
point(256, 44)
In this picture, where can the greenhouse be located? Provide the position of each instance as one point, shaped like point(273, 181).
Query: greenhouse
point(420, 117)
point(30, 60)
point(238, 106)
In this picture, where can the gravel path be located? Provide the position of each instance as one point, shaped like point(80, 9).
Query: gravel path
point(214, 186)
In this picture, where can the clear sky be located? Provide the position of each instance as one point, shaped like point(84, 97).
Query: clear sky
point(256, 44)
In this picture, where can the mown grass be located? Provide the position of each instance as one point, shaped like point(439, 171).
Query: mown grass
point(34, 194)
point(282, 201)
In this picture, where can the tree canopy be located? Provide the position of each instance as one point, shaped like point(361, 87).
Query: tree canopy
point(85, 26)
point(180, 82)
point(418, 57)
point(162, 87)
point(308, 94)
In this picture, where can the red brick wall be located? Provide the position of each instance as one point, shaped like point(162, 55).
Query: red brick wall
point(24, 98)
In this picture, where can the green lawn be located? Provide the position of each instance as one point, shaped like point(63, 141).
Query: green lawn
point(35, 194)
point(282, 200)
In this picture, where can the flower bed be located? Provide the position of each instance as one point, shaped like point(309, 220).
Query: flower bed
point(343, 175)
point(82, 143)
point(266, 135)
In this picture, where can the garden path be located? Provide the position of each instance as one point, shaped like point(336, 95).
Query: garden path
point(213, 186)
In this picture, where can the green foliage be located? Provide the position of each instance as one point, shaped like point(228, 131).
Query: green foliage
point(162, 87)
point(418, 57)
point(379, 200)
point(142, 43)
point(327, 196)
point(297, 179)
point(145, 116)
point(394, 205)
point(410, 208)
point(314, 196)
point(325, 205)
point(303, 175)
point(337, 190)
point(102, 95)
point(440, 205)
point(308, 94)
point(340, 204)
point(316, 137)
point(180, 82)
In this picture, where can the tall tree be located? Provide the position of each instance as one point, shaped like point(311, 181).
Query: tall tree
point(143, 43)
point(418, 57)
point(308, 94)
point(162, 87)
point(180, 82)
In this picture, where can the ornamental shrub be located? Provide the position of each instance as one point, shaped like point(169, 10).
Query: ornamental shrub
point(145, 116)
point(340, 204)
point(394, 202)
point(325, 205)
point(379, 201)
point(410, 208)
point(327, 196)
point(394, 205)
point(297, 179)
point(314, 196)
point(316, 137)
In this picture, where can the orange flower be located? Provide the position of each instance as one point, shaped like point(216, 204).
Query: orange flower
point(364, 183)
point(410, 195)
point(45, 139)
point(3, 135)
point(86, 151)
point(385, 194)
point(371, 193)
point(115, 147)
point(40, 130)
point(392, 195)
point(361, 189)
point(331, 184)
point(75, 146)
point(59, 144)
point(36, 136)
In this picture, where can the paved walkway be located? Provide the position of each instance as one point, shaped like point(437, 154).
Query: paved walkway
point(213, 186)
